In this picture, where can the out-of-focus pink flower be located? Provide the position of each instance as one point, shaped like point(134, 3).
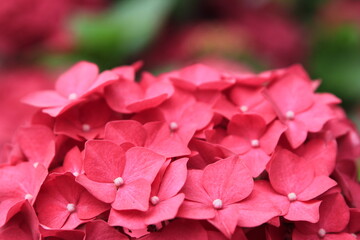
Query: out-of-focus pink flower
point(15, 83)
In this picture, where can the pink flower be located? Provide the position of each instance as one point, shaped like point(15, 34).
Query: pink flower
point(183, 113)
point(334, 217)
point(72, 87)
point(19, 183)
point(127, 96)
point(178, 230)
point(200, 76)
point(213, 193)
point(63, 203)
point(118, 177)
point(165, 199)
point(37, 143)
point(101, 230)
point(86, 120)
point(248, 135)
point(73, 163)
point(295, 179)
point(156, 136)
point(23, 225)
point(303, 111)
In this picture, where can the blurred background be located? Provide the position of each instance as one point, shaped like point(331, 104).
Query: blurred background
point(41, 38)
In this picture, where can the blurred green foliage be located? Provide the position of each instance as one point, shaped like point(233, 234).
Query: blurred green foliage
point(335, 58)
point(116, 34)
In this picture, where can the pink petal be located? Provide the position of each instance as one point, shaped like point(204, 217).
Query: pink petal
point(296, 133)
point(92, 114)
point(133, 196)
point(47, 98)
point(255, 160)
point(142, 163)
point(104, 78)
point(101, 230)
point(22, 226)
point(247, 126)
point(339, 236)
point(304, 211)
point(236, 144)
point(228, 180)
point(77, 79)
point(301, 236)
point(73, 161)
point(125, 131)
point(104, 160)
point(62, 234)
point(270, 138)
point(334, 213)
point(320, 152)
point(72, 222)
point(148, 103)
point(193, 188)
point(289, 173)
point(37, 143)
point(295, 89)
point(180, 229)
point(51, 213)
point(226, 220)
point(316, 117)
point(161, 140)
point(262, 205)
point(122, 93)
point(105, 192)
point(132, 219)
point(89, 207)
point(159, 88)
point(319, 185)
point(196, 210)
point(8, 209)
point(165, 210)
point(174, 179)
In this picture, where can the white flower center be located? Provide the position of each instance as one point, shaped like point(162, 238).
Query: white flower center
point(71, 207)
point(86, 127)
point(28, 196)
point(255, 143)
point(118, 181)
point(72, 96)
point(173, 126)
point(292, 196)
point(154, 200)
point(36, 164)
point(217, 203)
point(244, 108)
point(76, 174)
point(321, 232)
point(290, 115)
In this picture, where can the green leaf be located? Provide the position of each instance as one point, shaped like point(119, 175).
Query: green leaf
point(121, 32)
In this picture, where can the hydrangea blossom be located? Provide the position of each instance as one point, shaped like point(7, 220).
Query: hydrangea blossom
point(197, 153)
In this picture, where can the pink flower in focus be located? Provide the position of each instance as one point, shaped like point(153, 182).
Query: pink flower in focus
point(165, 199)
point(295, 179)
point(63, 203)
point(214, 193)
point(72, 87)
point(156, 136)
point(334, 217)
point(118, 177)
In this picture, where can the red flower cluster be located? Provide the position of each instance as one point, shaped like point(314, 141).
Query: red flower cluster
point(191, 154)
